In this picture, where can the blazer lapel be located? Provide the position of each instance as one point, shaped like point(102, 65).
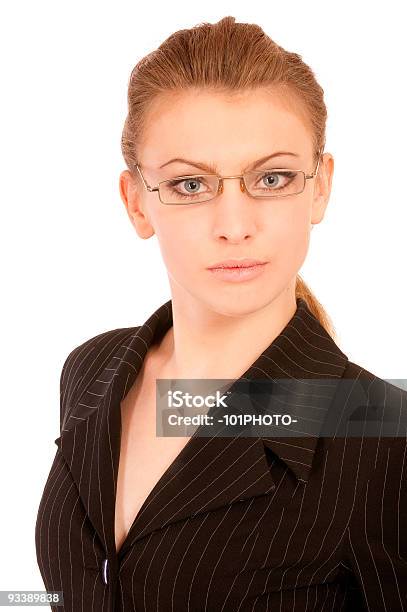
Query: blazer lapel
point(209, 472)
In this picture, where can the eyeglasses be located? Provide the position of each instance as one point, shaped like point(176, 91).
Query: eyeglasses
point(196, 188)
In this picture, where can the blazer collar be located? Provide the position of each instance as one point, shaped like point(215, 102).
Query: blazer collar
point(90, 436)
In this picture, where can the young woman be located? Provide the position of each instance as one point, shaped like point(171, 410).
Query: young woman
point(224, 146)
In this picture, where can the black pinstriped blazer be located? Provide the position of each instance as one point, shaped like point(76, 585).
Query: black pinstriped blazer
point(234, 524)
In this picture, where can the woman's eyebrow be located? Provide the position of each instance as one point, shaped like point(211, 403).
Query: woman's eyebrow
point(211, 168)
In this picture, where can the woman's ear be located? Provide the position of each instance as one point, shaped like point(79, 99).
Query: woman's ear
point(322, 189)
point(136, 207)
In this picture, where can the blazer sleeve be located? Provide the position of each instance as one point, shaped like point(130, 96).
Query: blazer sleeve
point(375, 544)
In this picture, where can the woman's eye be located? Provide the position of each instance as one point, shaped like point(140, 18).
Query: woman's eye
point(271, 179)
point(274, 179)
point(190, 185)
point(277, 181)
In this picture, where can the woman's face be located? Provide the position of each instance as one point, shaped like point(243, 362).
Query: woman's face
point(229, 133)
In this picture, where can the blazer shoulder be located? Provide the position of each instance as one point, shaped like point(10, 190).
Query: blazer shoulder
point(86, 360)
point(382, 396)
point(370, 380)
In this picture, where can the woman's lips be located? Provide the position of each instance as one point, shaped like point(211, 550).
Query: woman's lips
point(238, 274)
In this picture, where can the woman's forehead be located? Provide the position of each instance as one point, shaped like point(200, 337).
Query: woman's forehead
point(212, 112)
point(226, 133)
point(218, 139)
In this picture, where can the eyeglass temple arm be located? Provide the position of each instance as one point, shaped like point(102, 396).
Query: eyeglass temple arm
point(144, 182)
point(308, 176)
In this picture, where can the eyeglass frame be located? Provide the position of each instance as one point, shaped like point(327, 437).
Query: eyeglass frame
point(220, 183)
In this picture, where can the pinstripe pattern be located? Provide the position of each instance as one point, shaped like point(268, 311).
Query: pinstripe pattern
point(234, 524)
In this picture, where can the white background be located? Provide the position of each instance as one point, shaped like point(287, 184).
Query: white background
point(72, 264)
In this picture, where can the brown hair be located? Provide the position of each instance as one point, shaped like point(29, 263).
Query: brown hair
point(225, 57)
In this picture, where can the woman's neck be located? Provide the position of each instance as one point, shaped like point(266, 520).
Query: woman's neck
point(218, 347)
